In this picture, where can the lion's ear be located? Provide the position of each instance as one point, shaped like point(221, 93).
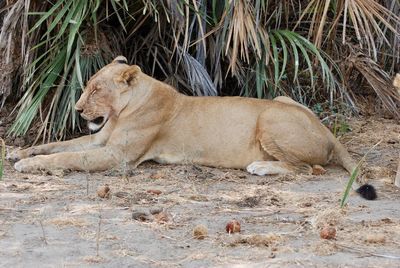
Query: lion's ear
point(129, 75)
point(120, 59)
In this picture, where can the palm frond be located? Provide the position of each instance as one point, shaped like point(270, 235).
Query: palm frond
point(13, 27)
point(379, 80)
point(252, 48)
point(290, 47)
point(58, 71)
point(366, 19)
point(200, 81)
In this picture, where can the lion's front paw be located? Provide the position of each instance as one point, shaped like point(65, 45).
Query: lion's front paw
point(30, 165)
point(17, 154)
point(13, 155)
point(23, 165)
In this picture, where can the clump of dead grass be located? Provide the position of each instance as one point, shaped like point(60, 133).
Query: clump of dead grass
point(67, 222)
point(324, 248)
point(328, 217)
point(258, 240)
point(94, 259)
point(375, 238)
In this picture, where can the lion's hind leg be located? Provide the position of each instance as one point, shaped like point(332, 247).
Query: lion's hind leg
point(283, 163)
point(293, 139)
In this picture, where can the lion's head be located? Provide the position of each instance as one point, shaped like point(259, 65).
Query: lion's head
point(102, 97)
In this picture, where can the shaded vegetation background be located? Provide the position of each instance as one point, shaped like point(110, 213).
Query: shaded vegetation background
point(325, 54)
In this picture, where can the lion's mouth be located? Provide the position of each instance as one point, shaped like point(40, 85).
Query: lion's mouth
point(97, 124)
point(98, 120)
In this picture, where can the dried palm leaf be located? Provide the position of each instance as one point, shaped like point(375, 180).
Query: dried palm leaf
point(13, 44)
point(379, 80)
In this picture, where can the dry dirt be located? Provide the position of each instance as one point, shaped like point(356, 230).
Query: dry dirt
point(60, 221)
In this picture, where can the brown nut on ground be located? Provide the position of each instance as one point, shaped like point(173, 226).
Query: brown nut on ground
point(200, 232)
point(103, 191)
point(328, 232)
point(233, 226)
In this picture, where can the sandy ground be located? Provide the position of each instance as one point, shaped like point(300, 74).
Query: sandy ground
point(60, 221)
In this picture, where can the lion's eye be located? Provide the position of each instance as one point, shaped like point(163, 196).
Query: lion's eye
point(93, 92)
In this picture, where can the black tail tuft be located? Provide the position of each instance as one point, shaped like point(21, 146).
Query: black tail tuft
point(367, 191)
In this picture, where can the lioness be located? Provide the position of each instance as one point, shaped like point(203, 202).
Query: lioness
point(139, 118)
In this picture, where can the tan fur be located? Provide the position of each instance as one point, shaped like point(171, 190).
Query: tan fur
point(147, 119)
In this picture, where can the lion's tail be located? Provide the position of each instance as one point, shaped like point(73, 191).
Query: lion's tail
point(344, 159)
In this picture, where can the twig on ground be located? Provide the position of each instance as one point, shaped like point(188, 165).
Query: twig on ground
point(368, 252)
point(2, 157)
point(44, 234)
point(87, 184)
point(98, 234)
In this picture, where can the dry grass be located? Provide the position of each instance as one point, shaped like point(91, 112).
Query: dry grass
point(64, 222)
point(258, 240)
point(94, 259)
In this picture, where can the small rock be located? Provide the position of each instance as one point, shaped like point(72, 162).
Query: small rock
point(103, 191)
point(233, 226)
point(200, 232)
point(122, 194)
point(392, 141)
point(154, 191)
point(387, 220)
point(156, 210)
point(141, 215)
point(306, 204)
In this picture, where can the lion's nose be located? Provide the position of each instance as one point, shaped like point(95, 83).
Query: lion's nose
point(79, 110)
